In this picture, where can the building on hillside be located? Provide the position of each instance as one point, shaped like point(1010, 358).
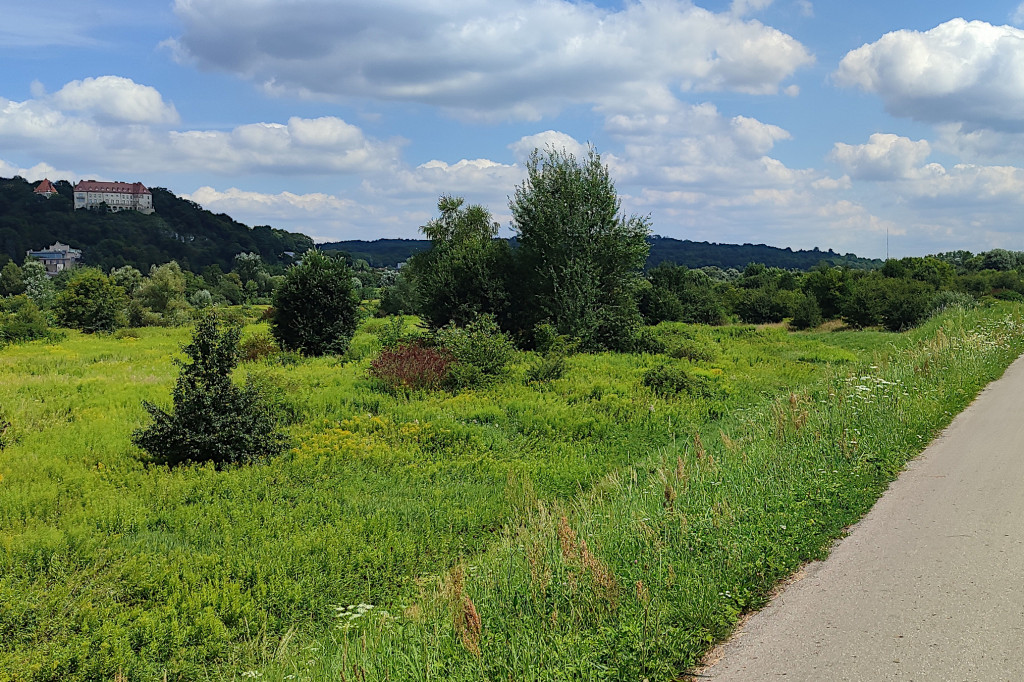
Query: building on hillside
point(45, 188)
point(118, 196)
point(57, 257)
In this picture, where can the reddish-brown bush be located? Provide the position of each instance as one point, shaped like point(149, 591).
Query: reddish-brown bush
point(412, 366)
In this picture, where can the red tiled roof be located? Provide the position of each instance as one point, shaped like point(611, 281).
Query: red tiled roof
point(117, 187)
point(45, 186)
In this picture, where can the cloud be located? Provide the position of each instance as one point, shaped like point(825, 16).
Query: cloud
point(884, 157)
point(36, 172)
point(959, 71)
point(742, 8)
point(520, 59)
point(108, 122)
point(1017, 16)
point(113, 99)
point(523, 147)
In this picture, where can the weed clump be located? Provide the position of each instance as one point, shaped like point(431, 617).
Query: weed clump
point(672, 380)
point(412, 366)
point(694, 351)
point(213, 420)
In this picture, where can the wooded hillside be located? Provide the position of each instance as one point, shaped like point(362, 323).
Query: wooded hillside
point(179, 230)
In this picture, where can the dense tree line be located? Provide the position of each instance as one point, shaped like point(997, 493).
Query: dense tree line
point(390, 252)
point(898, 296)
point(179, 230)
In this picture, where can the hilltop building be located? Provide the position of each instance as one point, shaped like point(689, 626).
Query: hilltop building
point(45, 188)
point(118, 196)
point(57, 257)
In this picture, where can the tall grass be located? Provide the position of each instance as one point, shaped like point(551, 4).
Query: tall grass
point(638, 576)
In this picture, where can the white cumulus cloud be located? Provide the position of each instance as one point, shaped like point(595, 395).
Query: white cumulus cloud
point(115, 99)
point(884, 157)
point(960, 71)
point(518, 59)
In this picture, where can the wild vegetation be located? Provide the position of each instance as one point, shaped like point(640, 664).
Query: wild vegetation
point(563, 468)
point(681, 507)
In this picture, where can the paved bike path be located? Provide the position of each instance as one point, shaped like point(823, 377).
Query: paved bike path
point(929, 586)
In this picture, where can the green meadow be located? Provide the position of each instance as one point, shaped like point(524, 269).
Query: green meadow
point(594, 526)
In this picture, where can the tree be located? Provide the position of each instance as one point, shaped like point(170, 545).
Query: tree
point(38, 285)
point(21, 320)
point(163, 292)
point(462, 275)
point(12, 280)
point(581, 259)
point(128, 278)
point(91, 302)
point(315, 309)
point(213, 420)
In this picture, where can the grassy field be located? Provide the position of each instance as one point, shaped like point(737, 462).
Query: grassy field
point(583, 528)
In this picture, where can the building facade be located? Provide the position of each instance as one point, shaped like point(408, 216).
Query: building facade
point(57, 257)
point(118, 196)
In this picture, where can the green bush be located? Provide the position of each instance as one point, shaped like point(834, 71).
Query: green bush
point(944, 300)
point(806, 314)
point(316, 309)
point(257, 347)
point(91, 303)
point(672, 380)
point(694, 351)
point(213, 420)
point(21, 320)
point(482, 352)
point(553, 362)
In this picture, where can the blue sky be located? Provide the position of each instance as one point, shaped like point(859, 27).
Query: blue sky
point(787, 122)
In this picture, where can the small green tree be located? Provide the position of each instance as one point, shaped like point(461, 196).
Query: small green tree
point(213, 420)
point(581, 259)
point(38, 285)
point(91, 303)
point(315, 309)
point(12, 280)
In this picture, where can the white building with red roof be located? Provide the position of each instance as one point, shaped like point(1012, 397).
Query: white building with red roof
point(118, 196)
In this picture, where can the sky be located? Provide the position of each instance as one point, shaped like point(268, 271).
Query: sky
point(869, 127)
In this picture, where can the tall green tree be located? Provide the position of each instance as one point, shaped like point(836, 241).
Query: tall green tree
point(581, 258)
point(316, 309)
point(463, 274)
point(91, 302)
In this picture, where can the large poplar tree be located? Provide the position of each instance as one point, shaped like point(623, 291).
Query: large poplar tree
point(581, 258)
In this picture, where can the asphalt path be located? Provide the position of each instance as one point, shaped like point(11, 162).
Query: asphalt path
point(929, 586)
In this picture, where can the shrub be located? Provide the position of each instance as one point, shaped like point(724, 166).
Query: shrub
point(806, 314)
point(213, 420)
point(257, 347)
point(482, 352)
point(694, 351)
point(944, 300)
point(91, 303)
point(553, 362)
point(412, 366)
point(316, 309)
point(21, 320)
point(671, 380)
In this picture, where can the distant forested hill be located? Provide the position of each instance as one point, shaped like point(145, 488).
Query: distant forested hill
point(390, 252)
point(179, 230)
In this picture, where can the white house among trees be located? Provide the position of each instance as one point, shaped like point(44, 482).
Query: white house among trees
point(118, 196)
